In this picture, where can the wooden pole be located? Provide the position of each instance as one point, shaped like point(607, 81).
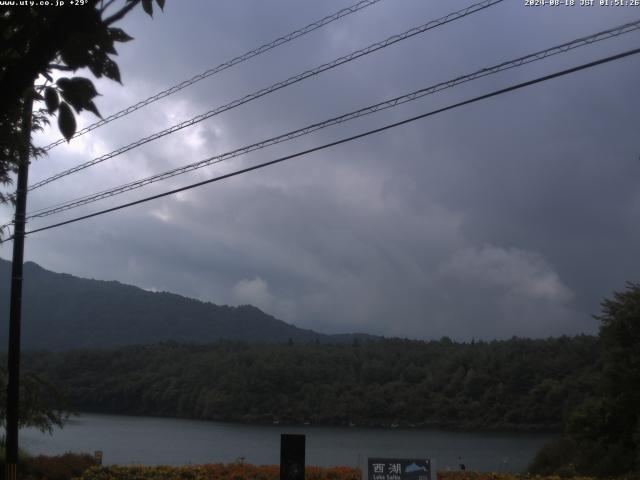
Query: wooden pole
point(15, 309)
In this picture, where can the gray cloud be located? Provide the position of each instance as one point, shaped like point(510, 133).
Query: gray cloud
point(510, 217)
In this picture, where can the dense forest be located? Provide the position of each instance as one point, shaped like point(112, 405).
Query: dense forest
point(513, 384)
point(602, 435)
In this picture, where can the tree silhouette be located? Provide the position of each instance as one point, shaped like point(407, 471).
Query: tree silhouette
point(39, 41)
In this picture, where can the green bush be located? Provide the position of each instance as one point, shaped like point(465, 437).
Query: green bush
point(23, 458)
point(552, 458)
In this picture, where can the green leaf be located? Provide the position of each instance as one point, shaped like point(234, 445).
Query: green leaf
point(160, 4)
point(75, 54)
point(119, 35)
point(66, 121)
point(92, 108)
point(109, 48)
point(77, 92)
point(96, 63)
point(102, 40)
point(85, 86)
point(62, 81)
point(51, 99)
point(95, 69)
point(110, 70)
point(147, 5)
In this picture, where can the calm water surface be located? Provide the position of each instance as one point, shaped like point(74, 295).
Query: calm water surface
point(153, 441)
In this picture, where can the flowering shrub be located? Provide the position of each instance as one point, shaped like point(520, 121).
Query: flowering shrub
point(218, 471)
point(238, 471)
point(512, 476)
point(498, 476)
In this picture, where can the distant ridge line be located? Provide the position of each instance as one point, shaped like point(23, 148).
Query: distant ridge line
point(90, 313)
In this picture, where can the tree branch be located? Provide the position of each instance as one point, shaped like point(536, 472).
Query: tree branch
point(120, 13)
point(57, 66)
point(103, 8)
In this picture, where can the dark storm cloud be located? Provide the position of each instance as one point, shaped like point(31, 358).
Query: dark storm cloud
point(510, 217)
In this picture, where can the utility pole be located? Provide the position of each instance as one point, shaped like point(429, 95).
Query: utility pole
point(15, 309)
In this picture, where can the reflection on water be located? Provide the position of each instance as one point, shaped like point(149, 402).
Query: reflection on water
point(152, 441)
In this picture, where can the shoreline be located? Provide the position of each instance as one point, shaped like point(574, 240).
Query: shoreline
point(441, 427)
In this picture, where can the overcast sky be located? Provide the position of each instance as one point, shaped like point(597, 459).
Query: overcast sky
point(514, 216)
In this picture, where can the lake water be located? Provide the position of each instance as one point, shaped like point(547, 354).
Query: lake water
point(153, 441)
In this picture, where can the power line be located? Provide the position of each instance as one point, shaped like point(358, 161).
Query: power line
point(539, 55)
point(277, 86)
point(344, 140)
point(223, 66)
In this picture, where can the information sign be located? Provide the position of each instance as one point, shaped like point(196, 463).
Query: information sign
point(399, 469)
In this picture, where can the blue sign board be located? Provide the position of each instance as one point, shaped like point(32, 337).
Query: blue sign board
point(399, 469)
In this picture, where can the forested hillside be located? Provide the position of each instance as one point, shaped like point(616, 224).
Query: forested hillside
point(62, 312)
point(519, 383)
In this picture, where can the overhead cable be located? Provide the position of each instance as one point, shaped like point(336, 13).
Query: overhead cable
point(344, 140)
point(277, 86)
point(223, 66)
point(539, 55)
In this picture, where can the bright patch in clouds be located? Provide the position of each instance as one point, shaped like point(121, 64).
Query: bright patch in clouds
point(510, 269)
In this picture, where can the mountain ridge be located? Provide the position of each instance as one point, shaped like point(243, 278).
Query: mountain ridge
point(90, 313)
